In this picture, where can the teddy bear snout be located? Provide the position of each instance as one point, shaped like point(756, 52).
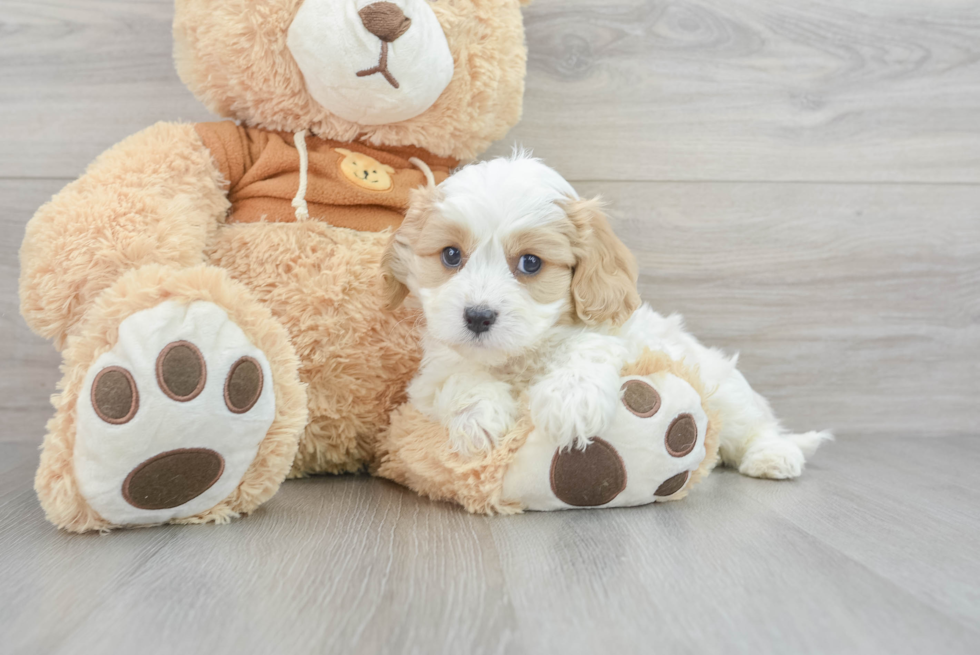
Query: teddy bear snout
point(385, 20)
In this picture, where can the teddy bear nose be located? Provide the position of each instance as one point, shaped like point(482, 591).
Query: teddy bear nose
point(385, 20)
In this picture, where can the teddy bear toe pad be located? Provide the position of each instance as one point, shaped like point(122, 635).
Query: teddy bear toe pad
point(654, 443)
point(173, 417)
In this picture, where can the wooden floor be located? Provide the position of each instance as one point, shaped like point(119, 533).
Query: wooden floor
point(873, 551)
point(800, 179)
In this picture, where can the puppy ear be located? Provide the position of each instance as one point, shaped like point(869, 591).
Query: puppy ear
point(398, 258)
point(604, 282)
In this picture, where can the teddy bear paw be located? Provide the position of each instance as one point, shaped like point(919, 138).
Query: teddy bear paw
point(655, 441)
point(170, 419)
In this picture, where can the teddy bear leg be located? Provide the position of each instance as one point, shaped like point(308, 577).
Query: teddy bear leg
point(154, 198)
point(181, 402)
point(659, 444)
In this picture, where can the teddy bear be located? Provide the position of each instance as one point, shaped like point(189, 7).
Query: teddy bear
point(214, 287)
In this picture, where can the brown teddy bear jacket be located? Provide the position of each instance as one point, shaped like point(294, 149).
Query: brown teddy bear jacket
point(346, 184)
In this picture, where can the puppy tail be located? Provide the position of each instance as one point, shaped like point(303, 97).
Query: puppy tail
point(808, 442)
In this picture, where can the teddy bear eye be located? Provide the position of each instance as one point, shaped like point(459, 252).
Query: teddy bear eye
point(529, 264)
point(451, 257)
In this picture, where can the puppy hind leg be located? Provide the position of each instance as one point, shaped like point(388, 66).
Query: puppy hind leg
point(778, 455)
point(753, 441)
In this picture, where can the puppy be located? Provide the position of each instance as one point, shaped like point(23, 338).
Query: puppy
point(525, 287)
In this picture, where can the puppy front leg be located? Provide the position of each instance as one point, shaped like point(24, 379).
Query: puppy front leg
point(476, 408)
point(577, 399)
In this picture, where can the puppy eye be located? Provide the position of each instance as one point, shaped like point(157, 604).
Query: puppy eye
point(451, 257)
point(529, 264)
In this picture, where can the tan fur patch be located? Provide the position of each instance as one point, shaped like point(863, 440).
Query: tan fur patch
point(440, 233)
point(431, 272)
point(398, 258)
point(553, 245)
point(436, 235)
point(551, 284)
point(604, 284)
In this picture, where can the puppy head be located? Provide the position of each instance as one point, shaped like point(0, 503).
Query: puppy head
point(504, 250)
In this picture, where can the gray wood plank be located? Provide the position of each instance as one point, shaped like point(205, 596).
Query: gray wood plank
point(885, 504)
point(29, 363)
point(337, 564)
point(343, 565)
point(720, 574)
point(840, 561)
point(687, 90)
point(830, 90)
point(77, 76)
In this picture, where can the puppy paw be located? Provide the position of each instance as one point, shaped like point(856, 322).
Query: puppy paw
point(479, 427)
point(776, 459)
point(571, 412)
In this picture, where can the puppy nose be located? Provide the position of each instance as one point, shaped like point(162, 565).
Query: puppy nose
point(479, 319)
point(385, 20)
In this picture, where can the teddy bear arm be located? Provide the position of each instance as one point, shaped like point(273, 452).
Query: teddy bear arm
point(155, 198)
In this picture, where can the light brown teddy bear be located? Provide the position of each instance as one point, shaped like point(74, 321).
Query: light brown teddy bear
point(214, 287)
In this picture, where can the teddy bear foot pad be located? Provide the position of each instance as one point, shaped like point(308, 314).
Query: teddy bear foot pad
point(655, 442)
point(170, 418)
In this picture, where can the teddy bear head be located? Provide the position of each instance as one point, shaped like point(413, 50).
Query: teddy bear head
point(443, 75)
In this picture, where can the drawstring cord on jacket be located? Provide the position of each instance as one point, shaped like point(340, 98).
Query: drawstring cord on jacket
point(299, 202)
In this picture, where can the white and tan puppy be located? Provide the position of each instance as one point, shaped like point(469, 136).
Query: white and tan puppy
point(525, 288)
